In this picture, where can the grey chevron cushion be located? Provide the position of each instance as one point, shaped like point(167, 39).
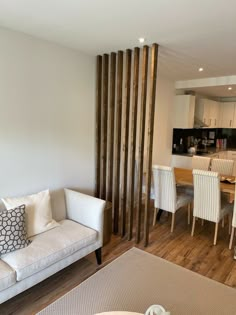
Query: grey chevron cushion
point(13, 233)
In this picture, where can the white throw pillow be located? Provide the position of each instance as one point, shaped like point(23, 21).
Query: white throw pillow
point(38, 211)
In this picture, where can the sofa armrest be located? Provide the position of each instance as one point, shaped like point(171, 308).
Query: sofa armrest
point(86, 210)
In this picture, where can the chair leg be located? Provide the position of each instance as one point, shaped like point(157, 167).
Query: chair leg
point(172, 222)
point(231, 238)
point(202, 222)
point(189, 213)
point(154, 216)
point(223, 222)
point(230, 220)
point(216, 233)
point(193, 226)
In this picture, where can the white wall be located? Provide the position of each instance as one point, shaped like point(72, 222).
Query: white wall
point(47, 115)
point(162, 144)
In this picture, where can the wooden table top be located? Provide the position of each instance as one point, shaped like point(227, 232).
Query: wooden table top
point(185, 177)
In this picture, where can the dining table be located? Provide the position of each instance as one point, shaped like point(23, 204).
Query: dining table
point(184, 176)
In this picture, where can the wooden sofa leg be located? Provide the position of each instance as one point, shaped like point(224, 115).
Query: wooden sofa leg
point(98, 253)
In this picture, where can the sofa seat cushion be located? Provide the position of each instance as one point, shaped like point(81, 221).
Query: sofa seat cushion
point(7, 276)
point(49, 247)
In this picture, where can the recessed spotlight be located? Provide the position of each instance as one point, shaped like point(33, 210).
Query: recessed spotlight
point(230, 88)
point(200, 69)
point(141, 40)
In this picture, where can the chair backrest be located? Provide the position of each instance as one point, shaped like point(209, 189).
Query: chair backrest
point(164, 188)
point(201, 163)
point(234, 211)
point(224, 167)
point(207, 197)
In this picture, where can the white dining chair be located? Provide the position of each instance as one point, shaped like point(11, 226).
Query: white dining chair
point(201, 163)
point(233, 224)
point(209, 203)
point(144, 179)
point(166, 195)
point(222, 166)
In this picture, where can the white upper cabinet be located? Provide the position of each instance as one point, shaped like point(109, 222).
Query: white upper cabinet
point(208, 111)
point(214, 114)
point(227, 112)
point(184, 106)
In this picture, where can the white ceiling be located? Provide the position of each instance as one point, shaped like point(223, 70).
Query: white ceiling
point(216, 91)
point(191, 33)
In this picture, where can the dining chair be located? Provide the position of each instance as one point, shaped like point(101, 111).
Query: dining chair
point(201, 162)
point(144, 179)
point(209, 203)
point(222, 166)
point(166, 195)
point(233, 224)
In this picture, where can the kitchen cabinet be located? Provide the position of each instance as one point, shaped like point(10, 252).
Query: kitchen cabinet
point(223, 155)
point(231, 155)
point(219, 155)
point(184, 106)
point(214, 114)
point(208, 111)
point(214, 156)
point(181, 161)
point(227, 114)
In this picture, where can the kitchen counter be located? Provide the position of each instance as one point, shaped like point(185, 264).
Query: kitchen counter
point(183, 160)
point(208, 152)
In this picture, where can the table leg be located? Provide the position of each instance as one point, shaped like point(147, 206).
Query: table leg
point(159, 214)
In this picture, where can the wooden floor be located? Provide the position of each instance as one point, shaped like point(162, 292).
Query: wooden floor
point(197, 254)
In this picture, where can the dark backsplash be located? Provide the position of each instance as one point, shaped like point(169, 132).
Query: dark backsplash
point(189, 136)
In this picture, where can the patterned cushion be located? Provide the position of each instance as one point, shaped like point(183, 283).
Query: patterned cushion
point(12, 230)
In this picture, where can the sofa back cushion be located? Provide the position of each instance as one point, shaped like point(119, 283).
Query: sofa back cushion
point(57, 204)
point(38, 211)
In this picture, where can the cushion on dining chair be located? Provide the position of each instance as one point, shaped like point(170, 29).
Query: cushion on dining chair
point(183, 199)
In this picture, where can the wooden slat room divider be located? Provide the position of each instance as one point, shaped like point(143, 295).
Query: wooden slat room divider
point(111, 126)
point(117, 144)
point(98, 125)
point(120, 137)
point(133, 132)
point(141, 141)
point(104, 126)
point(125, 143)
point(152, 98)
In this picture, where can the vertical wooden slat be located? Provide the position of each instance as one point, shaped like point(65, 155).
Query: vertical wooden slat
point(104, 126)
point(111, 125)
point(141, 141)
point(153, 79)
point(133, 128)
point(98, 124)
point(125, 142)
point(117, 144)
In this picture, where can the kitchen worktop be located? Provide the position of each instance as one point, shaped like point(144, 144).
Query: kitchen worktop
point(208, 152)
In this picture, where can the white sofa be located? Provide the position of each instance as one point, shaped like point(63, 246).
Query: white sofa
point(80, 233)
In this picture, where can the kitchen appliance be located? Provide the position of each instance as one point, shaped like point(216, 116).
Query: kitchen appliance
point(192, 150)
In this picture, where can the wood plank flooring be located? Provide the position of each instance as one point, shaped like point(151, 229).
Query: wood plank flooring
point(195, 253)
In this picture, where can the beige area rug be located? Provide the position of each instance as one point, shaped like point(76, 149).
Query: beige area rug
point(136, 280)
